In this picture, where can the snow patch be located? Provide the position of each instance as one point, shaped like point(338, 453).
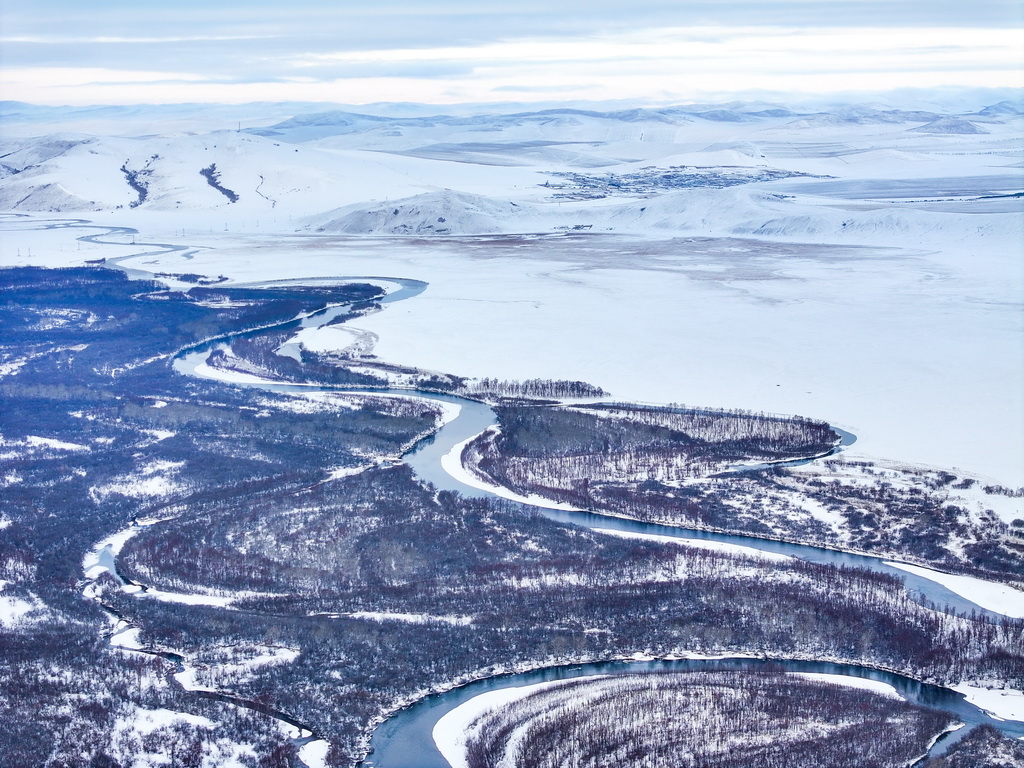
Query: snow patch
point(40, 443)
point(101, 557)
point(231, 666)
point(998, 598)
point(341, 472)
point(139, 487)
point(17, 611)
point(126, 636)
point(451, 462)
point(148, 720)
point(451, 730)
point(1002, 703)
point(206, 371)
point(713, 546)
point(863, 683)
point(162, 434)
point(434, 213)
point(185, 598)
point(314, 754)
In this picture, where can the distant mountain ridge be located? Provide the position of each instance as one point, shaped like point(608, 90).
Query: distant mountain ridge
point(646, 169)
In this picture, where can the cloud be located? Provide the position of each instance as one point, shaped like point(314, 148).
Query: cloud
point(443, 51)
point(365, 24)
point(574, 88)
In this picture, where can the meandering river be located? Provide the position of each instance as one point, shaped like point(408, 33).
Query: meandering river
point(405, 740)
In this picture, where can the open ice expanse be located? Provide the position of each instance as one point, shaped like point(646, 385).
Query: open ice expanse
point(916, 353)
point(881, 293)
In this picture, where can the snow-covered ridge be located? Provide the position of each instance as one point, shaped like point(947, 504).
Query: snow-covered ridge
point(349, 173)
point(433, 213)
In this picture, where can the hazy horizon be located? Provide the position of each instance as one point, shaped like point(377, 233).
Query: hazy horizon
point(449, 53)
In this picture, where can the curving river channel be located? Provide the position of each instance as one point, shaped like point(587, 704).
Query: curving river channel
point(405, 740)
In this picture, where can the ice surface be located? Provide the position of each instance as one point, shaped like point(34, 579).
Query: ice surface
point(1005, 703)
point(988, 594)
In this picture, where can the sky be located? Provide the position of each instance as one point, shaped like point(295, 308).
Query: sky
point(456, 51)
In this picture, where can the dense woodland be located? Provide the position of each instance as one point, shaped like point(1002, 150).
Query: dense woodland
point(93, 438)
point(703, 720)
point(341, 577)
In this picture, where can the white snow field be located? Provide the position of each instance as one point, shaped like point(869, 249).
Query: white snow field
point(452, 731)
point(885, 298)
point(1005, 703)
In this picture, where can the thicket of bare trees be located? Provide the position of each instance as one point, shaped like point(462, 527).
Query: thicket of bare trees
point(703, 720)
point(725, 470)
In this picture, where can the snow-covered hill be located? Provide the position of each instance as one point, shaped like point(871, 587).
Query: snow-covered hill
point(435, 213)
point(950, 125)
point(656, 170)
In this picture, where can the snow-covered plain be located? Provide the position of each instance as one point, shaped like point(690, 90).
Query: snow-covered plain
point(885, 299)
